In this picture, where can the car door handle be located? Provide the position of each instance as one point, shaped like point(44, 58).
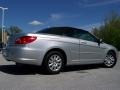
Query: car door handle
point(83, 42)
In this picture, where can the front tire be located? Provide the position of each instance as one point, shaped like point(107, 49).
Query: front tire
point(53, 62)
point(110, 60)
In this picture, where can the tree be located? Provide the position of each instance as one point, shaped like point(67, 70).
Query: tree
point(0, 35)
point(10, 30)
point(110, 30)
point(14, 30)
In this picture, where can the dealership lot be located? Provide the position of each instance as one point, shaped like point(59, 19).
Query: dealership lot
point(87, 77)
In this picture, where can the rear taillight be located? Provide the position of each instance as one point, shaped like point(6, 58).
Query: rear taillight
point(25, 39)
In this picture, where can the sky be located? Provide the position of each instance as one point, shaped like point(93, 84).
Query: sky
point(34, 15)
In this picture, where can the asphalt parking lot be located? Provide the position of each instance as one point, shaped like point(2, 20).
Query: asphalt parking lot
point(87, 77)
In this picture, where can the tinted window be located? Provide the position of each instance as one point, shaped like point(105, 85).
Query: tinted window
point(70, 32)
point(64, 31)
point(87, 36)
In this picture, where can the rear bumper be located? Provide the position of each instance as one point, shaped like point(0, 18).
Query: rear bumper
point(23, 55)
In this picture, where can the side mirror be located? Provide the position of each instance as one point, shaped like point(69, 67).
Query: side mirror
point(100, 41)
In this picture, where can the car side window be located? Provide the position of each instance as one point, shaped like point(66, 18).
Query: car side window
point(63, 31)
point(87, 36)
point(69, 32)
point(81, 34)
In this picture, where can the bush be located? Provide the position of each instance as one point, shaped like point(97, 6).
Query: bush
point(110, 31)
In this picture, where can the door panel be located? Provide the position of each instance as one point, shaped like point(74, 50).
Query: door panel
point(91, 51)
point(72, 48)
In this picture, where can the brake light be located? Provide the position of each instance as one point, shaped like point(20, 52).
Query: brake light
point(25, 39)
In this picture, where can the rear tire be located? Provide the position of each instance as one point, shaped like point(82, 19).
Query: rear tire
point(110, 60)
point(53, 62)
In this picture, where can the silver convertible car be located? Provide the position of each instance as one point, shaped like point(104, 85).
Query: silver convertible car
point(55, 47)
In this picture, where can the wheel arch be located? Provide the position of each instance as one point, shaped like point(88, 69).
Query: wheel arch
point(113, 51)
point(59, 50)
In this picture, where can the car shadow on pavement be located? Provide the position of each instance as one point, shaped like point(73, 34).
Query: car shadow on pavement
point(32, 70)
point(81, 67)
point(20, 70)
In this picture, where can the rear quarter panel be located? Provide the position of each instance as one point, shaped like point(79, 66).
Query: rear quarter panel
point(45, 43)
